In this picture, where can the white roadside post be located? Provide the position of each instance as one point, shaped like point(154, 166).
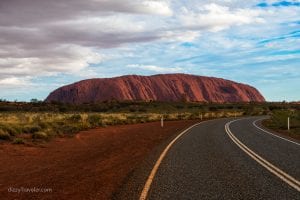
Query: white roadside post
point(162, 121)
point(288, 121)
point(200, 116)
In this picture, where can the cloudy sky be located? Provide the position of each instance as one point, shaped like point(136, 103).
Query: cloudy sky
point(46, 44)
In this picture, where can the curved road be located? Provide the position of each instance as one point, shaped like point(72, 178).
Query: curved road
point(207, 162)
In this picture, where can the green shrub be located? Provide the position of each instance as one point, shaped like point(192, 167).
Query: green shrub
point(113, 121)
point(143, 110)
point(279, 118)
point(39, 135)
point(11, 129)
point(4, 135)
point(31, 128)
point(132, 109)
point(103, 124)
point(94, 120)
point(19, 141)
point(43, 125)
point(71, 128)
point(76, 118)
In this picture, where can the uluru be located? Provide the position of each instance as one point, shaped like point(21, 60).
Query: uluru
point(161, 87)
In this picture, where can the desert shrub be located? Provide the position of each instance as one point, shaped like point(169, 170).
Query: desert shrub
point(143, 110)
point(11, 129)
point(43, 125)
point(31, 128)
point(4, 135)
point(230, 107)
point(132, 109)
point(170, 116)
point(182, 116)
point(194, 116)
point(39, 135)
point(141, 119)
point(71, 128)
point(76, 118)
point(55, 131)
point(22, 117)
point(179, 106)
point(279, 118)
point(113, 120)
point(99, 108)
point(135, 118)
point(36, 119)
point(63, 108)
point(18, 141)
point(6, 108)
point(213, 108)
point(94, 120)
point(58, 123)
point(131, 121)
point(295, 120)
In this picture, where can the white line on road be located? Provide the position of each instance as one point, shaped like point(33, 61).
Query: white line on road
point(270, 167)
point(254, 124)
point(149, 181)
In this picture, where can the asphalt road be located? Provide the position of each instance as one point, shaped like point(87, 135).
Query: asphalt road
point(205, 163)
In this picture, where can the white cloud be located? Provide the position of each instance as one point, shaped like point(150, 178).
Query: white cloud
point(181, 36)
point(13, 82)
point(61, 59)
point(274, 58)
point(10, 81)
point(72, 38)
point(156, 69)
point(103, 24)
point(157, 7)
point(215, 17)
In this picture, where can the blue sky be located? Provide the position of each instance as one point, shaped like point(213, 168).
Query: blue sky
point(254, 42)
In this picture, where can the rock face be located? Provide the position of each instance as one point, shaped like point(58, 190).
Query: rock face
point(162, 87)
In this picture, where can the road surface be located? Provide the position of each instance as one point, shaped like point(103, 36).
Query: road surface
point(223, 159)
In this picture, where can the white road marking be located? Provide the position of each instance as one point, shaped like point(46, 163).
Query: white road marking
point(254, 124)
point(149, 181)
point(270, 167)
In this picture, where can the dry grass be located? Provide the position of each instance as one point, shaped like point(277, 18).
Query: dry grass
point(44, 126)
point(278, 122)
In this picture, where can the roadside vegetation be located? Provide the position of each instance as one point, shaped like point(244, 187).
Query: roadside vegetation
point(19, 127)
point(38, 121)
point(279, 122)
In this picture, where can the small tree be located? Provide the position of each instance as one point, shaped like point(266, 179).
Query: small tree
point(34, 101)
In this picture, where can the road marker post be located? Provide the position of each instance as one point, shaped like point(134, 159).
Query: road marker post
point(162, 121)
point(288, 123)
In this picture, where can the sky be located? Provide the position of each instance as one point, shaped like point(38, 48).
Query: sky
point(46, 44)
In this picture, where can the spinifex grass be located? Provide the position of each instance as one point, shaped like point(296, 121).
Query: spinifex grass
point(43, 126)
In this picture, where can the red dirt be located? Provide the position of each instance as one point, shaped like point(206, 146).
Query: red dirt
point(91, 165)
point(163, 87)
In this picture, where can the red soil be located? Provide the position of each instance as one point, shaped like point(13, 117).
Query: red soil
point(91, 165)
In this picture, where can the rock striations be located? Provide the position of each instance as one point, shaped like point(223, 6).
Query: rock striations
point(161, 87)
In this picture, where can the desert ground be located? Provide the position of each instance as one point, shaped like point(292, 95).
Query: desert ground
point(91, 165)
